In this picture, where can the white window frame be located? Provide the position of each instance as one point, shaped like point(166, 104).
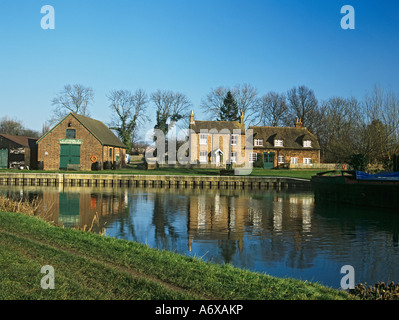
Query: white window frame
point(234, 139)
point(233, 156)
point(307, 143)
point(294, 160)
point(253, 156)
point(307, 160)
point(280, 159)
point(203, 139)
point(278, 143)
point(258, 142)
point(203, 157)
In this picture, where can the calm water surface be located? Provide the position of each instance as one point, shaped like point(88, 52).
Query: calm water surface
point(282, 233)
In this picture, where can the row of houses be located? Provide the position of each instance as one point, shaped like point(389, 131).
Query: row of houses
point(217, 143)
point(81, 143)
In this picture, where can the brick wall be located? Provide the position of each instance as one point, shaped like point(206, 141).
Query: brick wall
point(49, 147)
point(215, 141)
point(289, 153)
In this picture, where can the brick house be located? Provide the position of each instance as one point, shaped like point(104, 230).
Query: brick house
point(216, 143)
point(79, 142)
point(18, 152)
point(285, 146)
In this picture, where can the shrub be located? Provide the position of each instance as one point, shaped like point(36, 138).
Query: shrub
point(379, 291)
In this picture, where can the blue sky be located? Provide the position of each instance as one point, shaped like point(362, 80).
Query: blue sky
point(191, 46)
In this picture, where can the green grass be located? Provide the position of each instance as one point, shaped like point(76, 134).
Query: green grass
point(137, 169)
point(91, 266)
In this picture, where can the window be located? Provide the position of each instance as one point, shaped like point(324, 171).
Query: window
point(253, 157)
point(203, 156)
point(110, 153)
point(294, 160)
point(278, 143)
point(307, 160)
point(233, 157)
point(234, 139)
point(307, 143)
point(258, 142)
point(70, 134)
point(280, 159)
point(203, 139)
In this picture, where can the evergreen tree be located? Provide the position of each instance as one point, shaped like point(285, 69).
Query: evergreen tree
point(229, 109)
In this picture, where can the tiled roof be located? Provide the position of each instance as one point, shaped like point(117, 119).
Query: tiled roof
point(100, 131)
point(292, 137)
point(218, 125)
point(23, 141)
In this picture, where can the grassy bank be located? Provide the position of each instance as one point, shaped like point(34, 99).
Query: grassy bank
point(139, 170)
point(91, 266)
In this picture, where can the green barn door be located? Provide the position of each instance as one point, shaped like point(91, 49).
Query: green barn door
point(268, 160)
point(3, 158)
point(69, 209)
point(70, 154)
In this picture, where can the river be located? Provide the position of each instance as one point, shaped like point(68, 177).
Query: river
point(281, 233)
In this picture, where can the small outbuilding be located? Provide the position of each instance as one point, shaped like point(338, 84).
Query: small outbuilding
point(80, 143)
point(17, 152)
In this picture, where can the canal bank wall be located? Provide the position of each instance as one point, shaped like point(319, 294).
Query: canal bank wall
point(175, 181)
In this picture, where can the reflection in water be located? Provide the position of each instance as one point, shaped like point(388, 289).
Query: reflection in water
point(281, 233)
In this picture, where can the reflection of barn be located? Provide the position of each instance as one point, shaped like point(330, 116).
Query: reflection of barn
point(73, 208)
point(17, 152)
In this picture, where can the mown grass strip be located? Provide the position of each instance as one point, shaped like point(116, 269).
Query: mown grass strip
point(91, 266)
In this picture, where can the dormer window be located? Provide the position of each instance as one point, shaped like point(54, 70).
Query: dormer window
point(307, 143)
point(278, 143)
point(258, 142)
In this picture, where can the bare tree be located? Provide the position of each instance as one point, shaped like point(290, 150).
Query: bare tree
point(245, 95)
point(247, 100)
point(170, 107)
point(273, 110)
point(128, 113)
point(338, 128)
point(73, 98)
point(213, 102)
point(381, 134)
point(303, 104)
point(16, 128)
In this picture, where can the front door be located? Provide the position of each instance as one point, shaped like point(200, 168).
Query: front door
point(70, 154)
point(3, 158)
point(268, 160)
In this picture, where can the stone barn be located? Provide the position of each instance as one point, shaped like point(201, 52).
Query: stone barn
point(80, 143)
point(17, 152)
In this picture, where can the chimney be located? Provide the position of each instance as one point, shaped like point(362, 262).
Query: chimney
point(192, 117)
point(242, 118)
point(298, 123)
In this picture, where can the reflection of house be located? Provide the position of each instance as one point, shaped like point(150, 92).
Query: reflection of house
point(17, 152)
point(285, 146)
point(213, 143)
point(78, 142)
point(217, 217)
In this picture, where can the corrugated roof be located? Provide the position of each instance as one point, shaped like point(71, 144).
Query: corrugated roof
point(292, 137)
point(23, 141)
point(217, 125)
point(100, 131)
